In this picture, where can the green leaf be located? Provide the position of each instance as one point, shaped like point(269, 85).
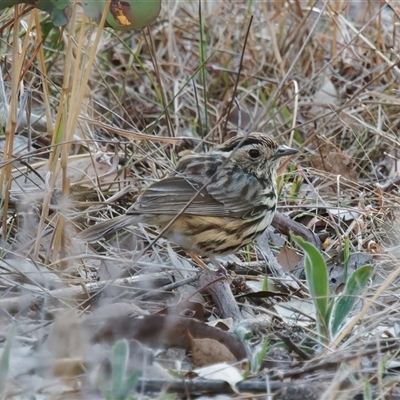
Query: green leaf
point(125, 15)
point(121, 385)
point(317, 279)
point(131, 383)
point(261, 354)
point(138, 13)
point(296, 186)
point(119, 363)
point(245, 335)
point(57, 9)
point(265, 284)
point(355, 285)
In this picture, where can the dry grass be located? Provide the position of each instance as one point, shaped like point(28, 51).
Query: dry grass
point(322, 77)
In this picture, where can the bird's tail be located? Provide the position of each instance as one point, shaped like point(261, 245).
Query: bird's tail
point(105, 228)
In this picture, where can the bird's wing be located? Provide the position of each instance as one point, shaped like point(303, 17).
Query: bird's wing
point(170, 195)
point(220, 197)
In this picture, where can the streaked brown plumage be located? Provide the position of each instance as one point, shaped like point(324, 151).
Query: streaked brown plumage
point(236, 205)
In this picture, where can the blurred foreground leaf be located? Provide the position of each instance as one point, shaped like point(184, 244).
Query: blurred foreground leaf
point(57, 9)
point(121, 382)
point(126, 15)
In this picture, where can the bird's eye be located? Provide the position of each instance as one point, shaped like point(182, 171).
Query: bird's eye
point(254, 153)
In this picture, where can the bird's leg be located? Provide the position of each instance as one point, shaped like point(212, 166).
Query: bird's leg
point(221, 269)
point(197, 260)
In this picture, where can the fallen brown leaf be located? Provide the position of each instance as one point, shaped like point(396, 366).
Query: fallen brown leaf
point(331, 159)
point(209, 351)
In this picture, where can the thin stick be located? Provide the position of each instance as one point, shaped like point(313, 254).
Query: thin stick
point(228, 111)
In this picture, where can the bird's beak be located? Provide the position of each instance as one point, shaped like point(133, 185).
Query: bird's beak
point(285, 151)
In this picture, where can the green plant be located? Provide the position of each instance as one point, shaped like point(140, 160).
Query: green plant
point(254, 352)
point(127, 16)
point(121, 383)
point(331, 311)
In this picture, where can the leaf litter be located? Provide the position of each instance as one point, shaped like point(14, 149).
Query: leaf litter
point(73, 303)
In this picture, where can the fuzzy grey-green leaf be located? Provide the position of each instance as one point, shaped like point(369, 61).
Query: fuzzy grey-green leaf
point(317, 279)
point(355, 285)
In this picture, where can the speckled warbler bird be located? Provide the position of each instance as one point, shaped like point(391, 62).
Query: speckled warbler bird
point(232, 195)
